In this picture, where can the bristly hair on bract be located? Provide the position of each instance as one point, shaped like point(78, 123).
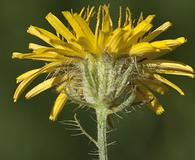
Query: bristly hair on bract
point(110, 67)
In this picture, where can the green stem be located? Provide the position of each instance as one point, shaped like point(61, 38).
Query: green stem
point(102, 130)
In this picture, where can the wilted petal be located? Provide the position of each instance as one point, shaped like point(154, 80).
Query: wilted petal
point(154, 85)
point(144, 94)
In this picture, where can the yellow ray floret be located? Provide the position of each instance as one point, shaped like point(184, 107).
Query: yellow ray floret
point(32, 75)
point(165, 26)
point(46, 36)
point(51, 56)
point(26, 75)
point(156, 48)
point(169, 67)
point(58, 106)
point(167, 82)
point(60, 27)
point(106, 20)
point(34, 46)
point(82, 30)
point(44, 86)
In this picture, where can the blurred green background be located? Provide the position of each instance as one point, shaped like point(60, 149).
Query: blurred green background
point(27, 134)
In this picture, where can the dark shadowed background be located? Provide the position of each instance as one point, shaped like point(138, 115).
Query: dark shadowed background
point(27, 134)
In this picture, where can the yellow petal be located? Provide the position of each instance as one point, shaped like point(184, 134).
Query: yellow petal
point(24, 84)
point(74, 24)
point(169, 67)
point(155, 49)
point(123, 46)
point(172, 43)
point(167, 82)
point(141, 18)
point(60, 27)
point(90, 14)
point(80, 27)
point(43, 86)
point(114, 43)
point(157, 32)
point(26, 75)
point(73, 48)
point(106, 20)
point(50, 56)
point(58, 106)
point(35, 46)
point(120, 17)
point(156, 106)
point(61, 87)
point(67, 52)
point(145, 95)
point(127, 33)
point(103, 39)
point(128, 19)
point(86, 29)
point(87, 46)
point(141, 49)
point(142, 28)
point(97, 28)
point(46, 36)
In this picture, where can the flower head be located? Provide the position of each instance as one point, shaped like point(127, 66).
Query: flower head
point(109, 66)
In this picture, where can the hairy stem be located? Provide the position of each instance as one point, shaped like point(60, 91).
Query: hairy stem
point(101, 136)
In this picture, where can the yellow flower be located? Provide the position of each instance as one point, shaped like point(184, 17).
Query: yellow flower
point(108, 66)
